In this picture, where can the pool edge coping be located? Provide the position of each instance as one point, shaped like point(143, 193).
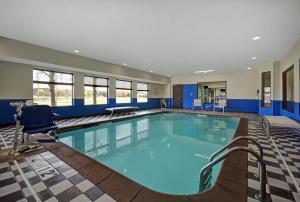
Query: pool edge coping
point(224, 188)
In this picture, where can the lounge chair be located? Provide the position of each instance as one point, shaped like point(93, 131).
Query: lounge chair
point(125, 108)
point(279, 122)
point(222, 104)
point(197, 103)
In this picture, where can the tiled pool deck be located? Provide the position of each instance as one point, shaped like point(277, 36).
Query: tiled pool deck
point(22, 180)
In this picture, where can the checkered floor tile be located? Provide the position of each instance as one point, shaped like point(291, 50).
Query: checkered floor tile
point(53, 180)
point(59, 183)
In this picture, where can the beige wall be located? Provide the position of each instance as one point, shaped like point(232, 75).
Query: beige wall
point(291, 58)
point(240, 85)
point(20, 52)
point(274, 69)
point(16, 78)
point(15, 81)
point(19, 58)
point(159, 90)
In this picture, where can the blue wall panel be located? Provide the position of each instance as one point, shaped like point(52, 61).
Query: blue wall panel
point(77, 109)
point(6, 111)
point(266, 111)
point(169, 102)
point(242, 105)
point(189, 94)
point(294, 115)
point(276, 107)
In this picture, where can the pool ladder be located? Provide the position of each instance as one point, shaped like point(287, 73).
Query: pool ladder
point(163, 103)
point(206, 171)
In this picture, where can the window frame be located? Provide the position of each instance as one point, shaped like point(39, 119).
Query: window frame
point(263, 85)
point(285, 90)
point(119, 88)
point(53, 83)
point(137, 91)
point(94, 85)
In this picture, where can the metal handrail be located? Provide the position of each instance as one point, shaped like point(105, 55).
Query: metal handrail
point(261, 152)
point(263, 179)
point(162, 102)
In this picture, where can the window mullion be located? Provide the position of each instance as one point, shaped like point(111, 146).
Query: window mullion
point(52, 89)
point(94, 95)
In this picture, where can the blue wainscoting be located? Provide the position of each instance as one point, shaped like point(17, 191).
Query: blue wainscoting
point(277, 110)
point(276, 107)
point(7, 112)
point(242, 105)
point(273, 110)
point(77, 109)
point(294, 115)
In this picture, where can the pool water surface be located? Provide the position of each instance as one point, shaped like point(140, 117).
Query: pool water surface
point(163, 152)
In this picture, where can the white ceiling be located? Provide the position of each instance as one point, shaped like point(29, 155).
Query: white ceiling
point(175, 37)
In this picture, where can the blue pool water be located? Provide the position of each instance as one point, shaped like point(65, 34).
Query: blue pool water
point(163, 152)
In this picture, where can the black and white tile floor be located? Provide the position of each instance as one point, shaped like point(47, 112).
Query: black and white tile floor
point(44, 177)
point(280, 184)
point(67, 184)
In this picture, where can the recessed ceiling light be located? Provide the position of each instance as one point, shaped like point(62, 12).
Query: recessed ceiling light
point(169, 75)
point(203, 71)
point(256, 38)
point(151, 71)
point(125, 64)
point(249, 68)
point(253, 58)
point(76, 51)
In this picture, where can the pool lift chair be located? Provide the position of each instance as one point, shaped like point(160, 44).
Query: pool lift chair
point(35, 119)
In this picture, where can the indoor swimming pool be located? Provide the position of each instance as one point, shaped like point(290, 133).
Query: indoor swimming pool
point(163, 152)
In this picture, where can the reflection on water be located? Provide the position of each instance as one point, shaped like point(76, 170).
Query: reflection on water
point(156, 150)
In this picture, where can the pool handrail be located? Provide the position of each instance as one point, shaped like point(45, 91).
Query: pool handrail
point(262, 196)
point(163, 102)
point(261, 152)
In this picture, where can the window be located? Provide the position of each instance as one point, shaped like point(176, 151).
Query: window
point(288, 89)
point(266, 89)
point(123, 91)
point(95, 90)
point(142, 92)
point(52, 88)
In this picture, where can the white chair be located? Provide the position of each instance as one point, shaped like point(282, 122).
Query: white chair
point(197, 103)
point(222, 104)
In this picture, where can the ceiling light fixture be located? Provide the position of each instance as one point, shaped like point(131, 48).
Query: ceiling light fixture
point(203, 71)
point(151, 71)
point(256, 38)
point(253, 58)
point(249, 68)
point(169, 75)
point(76, 51)
point(125, 64)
